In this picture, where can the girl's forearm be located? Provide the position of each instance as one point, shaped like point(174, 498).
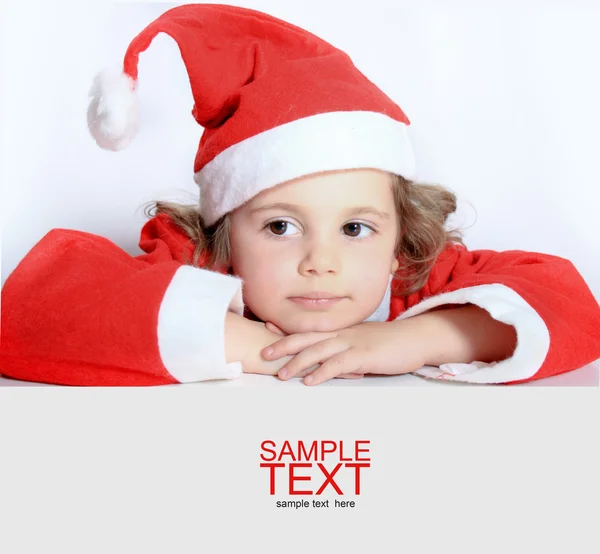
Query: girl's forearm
point(244, 341)
point(236, 337)
point(466, 334)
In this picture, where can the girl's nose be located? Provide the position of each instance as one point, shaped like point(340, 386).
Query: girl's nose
point(320, 258)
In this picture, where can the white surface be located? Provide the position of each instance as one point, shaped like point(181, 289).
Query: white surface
point(502, 97)
point(587, 376)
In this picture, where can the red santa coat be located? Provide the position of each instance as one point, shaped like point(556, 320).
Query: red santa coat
point(78, 310)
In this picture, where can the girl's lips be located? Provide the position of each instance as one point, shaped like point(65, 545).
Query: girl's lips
point(315, 302)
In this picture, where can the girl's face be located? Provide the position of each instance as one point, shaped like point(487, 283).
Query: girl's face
point(331, 233)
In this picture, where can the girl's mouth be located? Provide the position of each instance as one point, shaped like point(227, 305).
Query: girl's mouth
point(313, 303)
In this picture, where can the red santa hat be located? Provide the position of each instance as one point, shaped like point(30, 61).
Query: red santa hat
point(275, 101)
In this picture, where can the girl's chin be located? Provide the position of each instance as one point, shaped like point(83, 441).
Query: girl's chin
point(313, 325)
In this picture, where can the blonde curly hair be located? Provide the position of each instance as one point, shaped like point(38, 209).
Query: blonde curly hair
point(422, 208)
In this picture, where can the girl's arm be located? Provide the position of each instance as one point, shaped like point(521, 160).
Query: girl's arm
point(244, 340)
point(78, 310)
point(467, 333)
point(543, 298)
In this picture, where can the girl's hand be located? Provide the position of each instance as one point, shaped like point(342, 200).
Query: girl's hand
point(274, 329)
point(244, 340)
point(248, 338)
point(387, 348)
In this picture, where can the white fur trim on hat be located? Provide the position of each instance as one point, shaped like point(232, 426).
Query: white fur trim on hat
point(113, 114)
point(323, 142)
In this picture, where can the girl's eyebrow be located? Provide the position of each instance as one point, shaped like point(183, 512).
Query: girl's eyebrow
point(296, 209)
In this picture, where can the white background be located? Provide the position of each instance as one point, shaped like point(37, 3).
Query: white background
point(502, 97)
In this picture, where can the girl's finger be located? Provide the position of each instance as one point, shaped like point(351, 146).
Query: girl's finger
point(310, 356)
point(292, 344)
point(309, 370)
point(274, 329)
point(343, 362)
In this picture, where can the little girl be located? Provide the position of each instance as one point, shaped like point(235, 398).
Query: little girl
point(312, 253)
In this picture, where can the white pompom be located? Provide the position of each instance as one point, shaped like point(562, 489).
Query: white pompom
point(113, 114)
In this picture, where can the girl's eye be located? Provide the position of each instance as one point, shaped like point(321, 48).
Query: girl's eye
point(279, 227)
point(354, 229)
